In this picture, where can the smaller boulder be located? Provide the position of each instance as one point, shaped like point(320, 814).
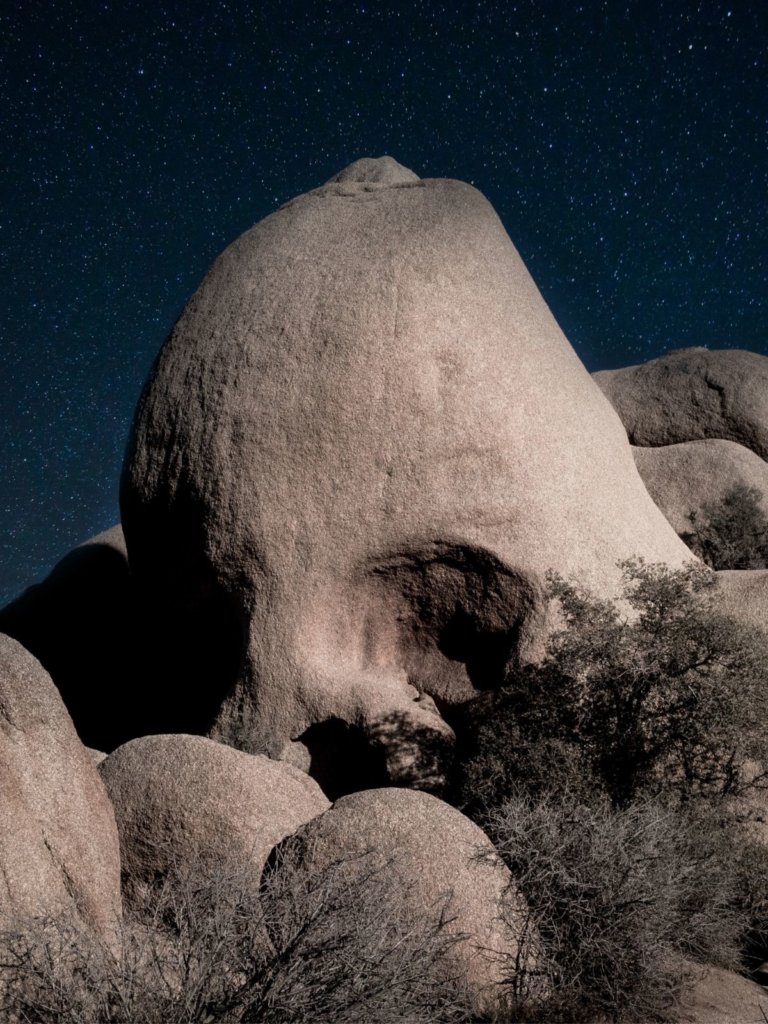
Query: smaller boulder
point(384, 170)
point(690, 394)
point(717, 996)
point(79, 622)
point(182, 801)
point(683, 478)
point(443, 863)
point(59, 849)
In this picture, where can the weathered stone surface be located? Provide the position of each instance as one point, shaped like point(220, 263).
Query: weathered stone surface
point(435, 853)
point(185, 801)
point(381, 171)
point(361, 448)
point(693, 393)
point(59, 848)
point(684, 477)
point(717, 996)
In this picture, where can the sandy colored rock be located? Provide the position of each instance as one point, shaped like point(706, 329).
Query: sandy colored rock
point(435, 852)
point(685, 477)
point(363, 445)
point(59, 848)
point(693, 393)
point(186, 800)
point(717, 996)
point(377, 171)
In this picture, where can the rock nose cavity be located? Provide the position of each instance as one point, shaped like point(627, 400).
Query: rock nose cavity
point(382, 170)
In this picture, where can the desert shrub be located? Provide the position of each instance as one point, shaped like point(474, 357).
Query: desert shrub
point(620, 897)
point(731, 533)
point(523, 735)
point(656, 697)
point(312, 945)
point(749, 865)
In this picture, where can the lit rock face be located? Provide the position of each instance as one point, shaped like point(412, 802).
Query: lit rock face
point(363, 445)
point(440, 860)
point(683, 478)
point(717, 996)
point(691, 394)
point(188, 802)
point(59, 848)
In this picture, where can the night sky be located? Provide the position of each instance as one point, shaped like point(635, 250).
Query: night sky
point(623, 145)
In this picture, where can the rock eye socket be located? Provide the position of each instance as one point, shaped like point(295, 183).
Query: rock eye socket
point(461, 617)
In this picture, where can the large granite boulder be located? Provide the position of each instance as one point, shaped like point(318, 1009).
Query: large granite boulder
point(443, 863)
point(693, 393)
point(360, 450)
point(186, 802)
point(683, 478)
point(59, 849)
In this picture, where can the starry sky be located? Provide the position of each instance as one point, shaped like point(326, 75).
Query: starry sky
point(622, 143)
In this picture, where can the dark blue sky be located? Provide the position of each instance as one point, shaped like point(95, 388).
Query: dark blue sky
point(623, 145)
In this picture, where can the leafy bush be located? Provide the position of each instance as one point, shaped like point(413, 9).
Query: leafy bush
point(621, 898)
point(731, 533)
point(659, 701)
point(311, 945)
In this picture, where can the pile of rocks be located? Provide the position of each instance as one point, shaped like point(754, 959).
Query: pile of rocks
point(363, 446)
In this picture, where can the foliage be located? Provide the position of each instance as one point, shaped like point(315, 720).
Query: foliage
point(312, 944)
point(655, 697)
point(621, 899)
point(731, 533)
point(749, 865)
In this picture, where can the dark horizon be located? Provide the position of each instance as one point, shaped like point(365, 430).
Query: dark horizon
point(623, 146)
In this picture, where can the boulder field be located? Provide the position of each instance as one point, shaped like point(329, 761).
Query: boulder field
point(361, 449)
point(698, 419)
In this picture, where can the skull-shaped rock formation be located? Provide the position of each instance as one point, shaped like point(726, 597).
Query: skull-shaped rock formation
point(360, 450)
